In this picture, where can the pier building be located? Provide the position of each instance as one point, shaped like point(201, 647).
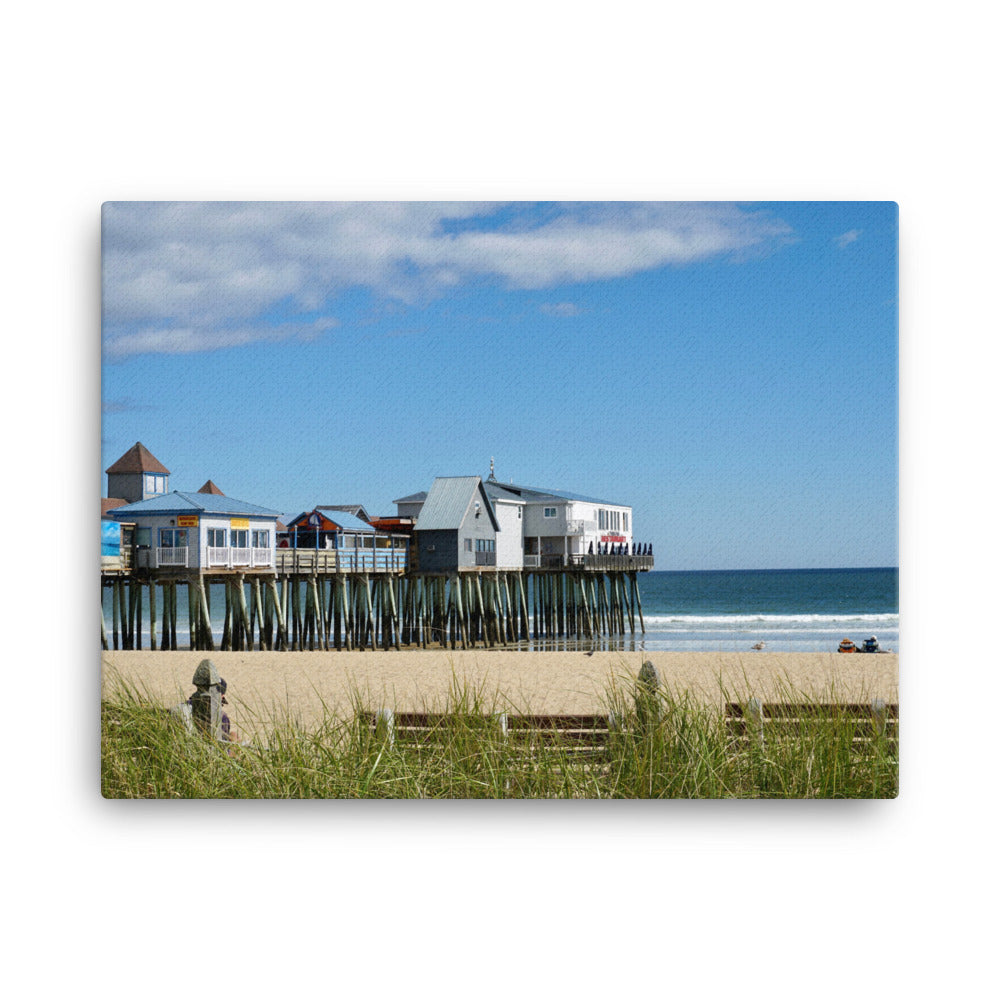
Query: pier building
point(206, 531)
point(535, 528)
point(457, 527)
point(342, 541)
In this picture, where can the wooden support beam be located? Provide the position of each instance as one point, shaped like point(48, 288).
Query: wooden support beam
point(152, 615)
point(208, 641)
point(115, 604)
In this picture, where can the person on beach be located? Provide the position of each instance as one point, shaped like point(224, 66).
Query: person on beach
point(225, 725)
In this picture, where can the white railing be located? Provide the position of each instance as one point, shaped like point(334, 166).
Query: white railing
point(576, 526)
point(239, 557)
point(223, 555)
point(341, 560)
point(173, 556)
point(531, 561)
point(217, 555)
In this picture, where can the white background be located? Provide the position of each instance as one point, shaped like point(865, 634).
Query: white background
point(115, 101)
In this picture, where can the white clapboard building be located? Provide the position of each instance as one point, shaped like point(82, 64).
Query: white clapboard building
point(529, 527)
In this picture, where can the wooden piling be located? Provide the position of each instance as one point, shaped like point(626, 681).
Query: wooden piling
point(207, 640)
point(114, 611)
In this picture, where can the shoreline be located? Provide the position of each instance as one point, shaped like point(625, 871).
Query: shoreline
point(305, 687)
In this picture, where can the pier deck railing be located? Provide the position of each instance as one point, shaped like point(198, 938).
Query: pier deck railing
point(615, 563)
point(598, 563)
point(341, 561)
point(213, 557)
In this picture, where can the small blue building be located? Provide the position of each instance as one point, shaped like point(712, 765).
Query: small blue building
point(357, 543)
point(204, 531)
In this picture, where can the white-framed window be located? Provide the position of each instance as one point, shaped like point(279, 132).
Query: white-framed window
point(239, 538)
point(155, 484)
point(549, 512)
point(217, 538)
point(625, 519)
point(173, 538)
point(468, 545)
point(261, 539)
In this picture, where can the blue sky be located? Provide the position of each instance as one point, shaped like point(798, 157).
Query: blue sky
point(729, 370)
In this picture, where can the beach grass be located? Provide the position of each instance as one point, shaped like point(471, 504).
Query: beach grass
point(664, 745)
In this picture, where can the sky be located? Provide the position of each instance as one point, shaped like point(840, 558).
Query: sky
point(728, 370)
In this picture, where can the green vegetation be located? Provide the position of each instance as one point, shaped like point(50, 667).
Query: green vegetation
point(667, 747)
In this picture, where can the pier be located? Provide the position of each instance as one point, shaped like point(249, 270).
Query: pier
point(478, 563)
point(324, 600)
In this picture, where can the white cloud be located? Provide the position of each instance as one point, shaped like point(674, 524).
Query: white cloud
point(847, 238)
point(560, 309)
point(188, 340)
point(184, 277)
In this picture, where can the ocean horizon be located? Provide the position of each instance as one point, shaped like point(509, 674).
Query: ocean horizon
point(788, 610)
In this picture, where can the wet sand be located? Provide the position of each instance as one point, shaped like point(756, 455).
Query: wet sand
point(302, 687)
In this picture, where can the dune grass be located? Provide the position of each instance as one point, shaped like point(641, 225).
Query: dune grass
point(666, 746)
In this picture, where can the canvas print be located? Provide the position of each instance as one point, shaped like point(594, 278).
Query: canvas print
point(499, 500)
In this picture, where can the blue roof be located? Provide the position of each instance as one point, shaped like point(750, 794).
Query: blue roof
point(339, 517)
point(192, 503)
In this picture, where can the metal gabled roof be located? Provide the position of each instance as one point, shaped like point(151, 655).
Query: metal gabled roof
point(192, 503)
point(537, 493)
point(448, 502)
point(413, 497)
point(357, 509)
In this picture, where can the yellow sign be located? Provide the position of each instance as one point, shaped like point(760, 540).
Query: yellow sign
point(239, 522)
point(187, 521)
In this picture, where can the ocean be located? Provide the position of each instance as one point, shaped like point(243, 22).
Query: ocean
point(789, 610)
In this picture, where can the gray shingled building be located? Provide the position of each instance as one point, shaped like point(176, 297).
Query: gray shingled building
point(457, 527)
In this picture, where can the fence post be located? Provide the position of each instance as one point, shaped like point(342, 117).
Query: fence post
point(755, 717)
point(879, 714)
point(206, 702)
point(385, 725)
point(647, 707)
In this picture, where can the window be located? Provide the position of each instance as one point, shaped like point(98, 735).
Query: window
point(156, 484)
point(173, 538)
point(217, 538)
point(625, 517)
point(261, 539)
point(468, 545)
point(550, 512)
point(239, 538)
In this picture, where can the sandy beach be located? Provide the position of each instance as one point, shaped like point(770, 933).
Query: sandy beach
point(301, 686)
